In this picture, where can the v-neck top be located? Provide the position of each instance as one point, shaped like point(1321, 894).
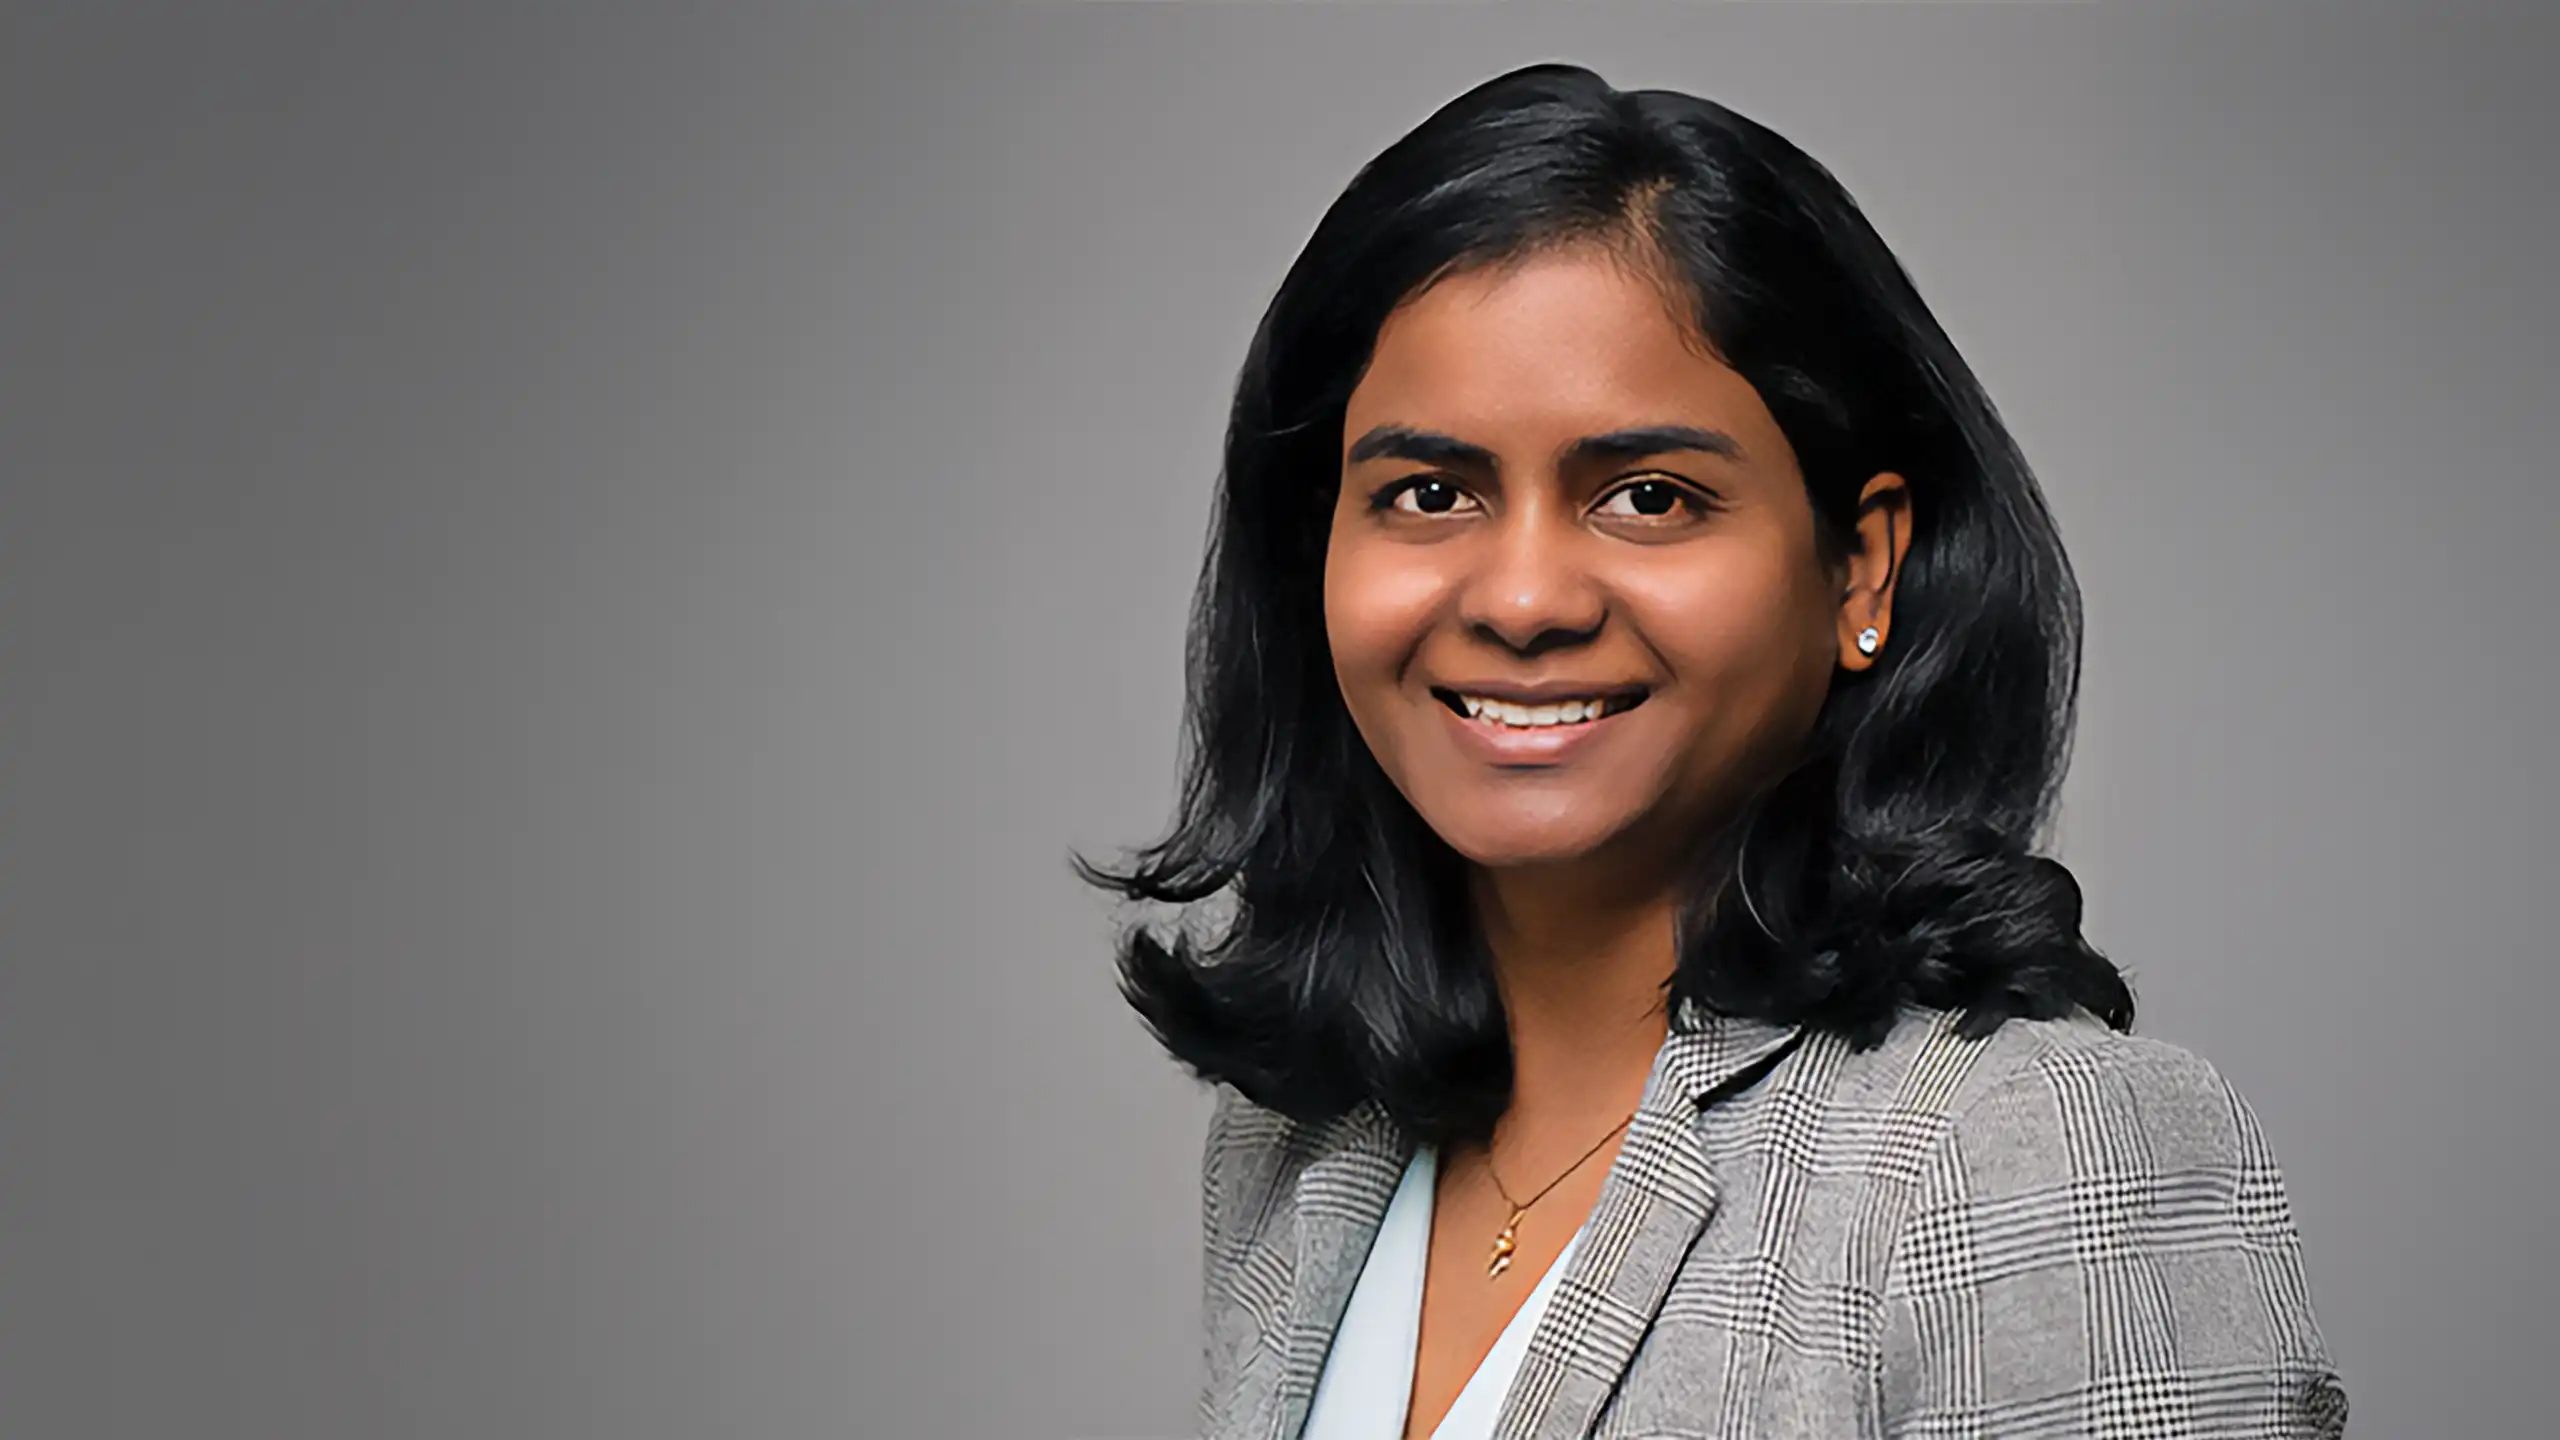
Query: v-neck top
point(1366, 1387)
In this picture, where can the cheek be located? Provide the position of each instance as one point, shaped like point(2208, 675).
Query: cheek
point(1380, 601)
point(1737, 627)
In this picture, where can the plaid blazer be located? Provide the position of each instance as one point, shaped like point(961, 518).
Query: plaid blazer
point(2057, 1230)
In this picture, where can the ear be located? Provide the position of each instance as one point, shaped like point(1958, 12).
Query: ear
point(1876, 552)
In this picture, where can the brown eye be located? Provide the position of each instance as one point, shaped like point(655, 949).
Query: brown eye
point(1429, 497)
point(1648, 500)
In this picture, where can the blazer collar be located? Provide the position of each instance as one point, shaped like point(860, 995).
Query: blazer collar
point(1658, 1194)
point(1657, 1197)
point(1341, 1196)
point(1708, 1056)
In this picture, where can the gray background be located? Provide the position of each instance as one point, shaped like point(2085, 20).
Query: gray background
point(567, 581)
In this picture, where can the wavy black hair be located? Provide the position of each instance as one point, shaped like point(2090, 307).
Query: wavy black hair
point(1891, 865)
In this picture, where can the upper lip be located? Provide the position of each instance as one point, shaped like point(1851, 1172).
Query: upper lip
point(1545, 692)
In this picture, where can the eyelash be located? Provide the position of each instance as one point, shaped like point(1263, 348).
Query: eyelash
point(1386, 498)
point(1699, 503)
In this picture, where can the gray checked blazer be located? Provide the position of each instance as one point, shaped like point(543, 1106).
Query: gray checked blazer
point(2057, 1230)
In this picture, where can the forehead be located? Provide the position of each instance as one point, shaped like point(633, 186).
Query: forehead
point(1560, 345)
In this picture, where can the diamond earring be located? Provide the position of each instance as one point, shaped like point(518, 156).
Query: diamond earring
point(1868, 640)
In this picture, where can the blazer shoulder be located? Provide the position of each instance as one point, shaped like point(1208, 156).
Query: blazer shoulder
point(2047, 1083)
point(2102, 1213)
point(1243, 1134)
point(1241, 1160)
point(2035, 1088)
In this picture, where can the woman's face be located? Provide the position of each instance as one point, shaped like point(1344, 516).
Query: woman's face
point(1572, 589)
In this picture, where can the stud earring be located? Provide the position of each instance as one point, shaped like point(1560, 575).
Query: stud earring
point(1868, 640)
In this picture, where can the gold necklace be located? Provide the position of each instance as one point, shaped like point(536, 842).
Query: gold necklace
point(1509, 1239)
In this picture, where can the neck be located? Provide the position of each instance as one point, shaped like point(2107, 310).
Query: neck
point(1581, 967)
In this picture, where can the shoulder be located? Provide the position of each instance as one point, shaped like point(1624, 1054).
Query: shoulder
point(1244, 1137)
point(2031, 1084)
point(2137, 1138)
point(2071, 1098)
point(1243, 1163)
point(2101, 1213)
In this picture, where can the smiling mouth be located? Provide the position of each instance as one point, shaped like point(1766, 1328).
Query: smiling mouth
point(1501, 714)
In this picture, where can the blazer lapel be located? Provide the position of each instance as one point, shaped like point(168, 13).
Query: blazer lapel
point(1658, 1195)
point(1340, 1199)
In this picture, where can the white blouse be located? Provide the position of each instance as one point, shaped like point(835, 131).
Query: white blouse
point(1367, 1383)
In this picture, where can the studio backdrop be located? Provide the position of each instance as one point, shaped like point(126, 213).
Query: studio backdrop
point(571, 576)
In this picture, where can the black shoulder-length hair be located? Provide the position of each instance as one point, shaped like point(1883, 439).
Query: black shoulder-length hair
point(1892, 865)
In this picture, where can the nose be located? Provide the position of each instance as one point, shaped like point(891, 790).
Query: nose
point(1531, 591)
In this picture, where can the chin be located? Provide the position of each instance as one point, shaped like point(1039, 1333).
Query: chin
point(1508, 838)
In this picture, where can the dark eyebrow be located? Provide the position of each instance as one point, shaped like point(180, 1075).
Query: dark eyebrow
point(1645, 440)
point(1429, 447)
point(1426, 447)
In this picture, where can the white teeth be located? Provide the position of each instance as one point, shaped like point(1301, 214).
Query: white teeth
point(1524, 717)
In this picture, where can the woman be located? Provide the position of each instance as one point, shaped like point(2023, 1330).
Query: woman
point(1632, 668)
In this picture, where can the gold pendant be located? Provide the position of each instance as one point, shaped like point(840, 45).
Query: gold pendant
point(1503, 1245)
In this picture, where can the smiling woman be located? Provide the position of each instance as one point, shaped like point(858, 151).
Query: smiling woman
point(1630, 681)
point(1544, 449)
